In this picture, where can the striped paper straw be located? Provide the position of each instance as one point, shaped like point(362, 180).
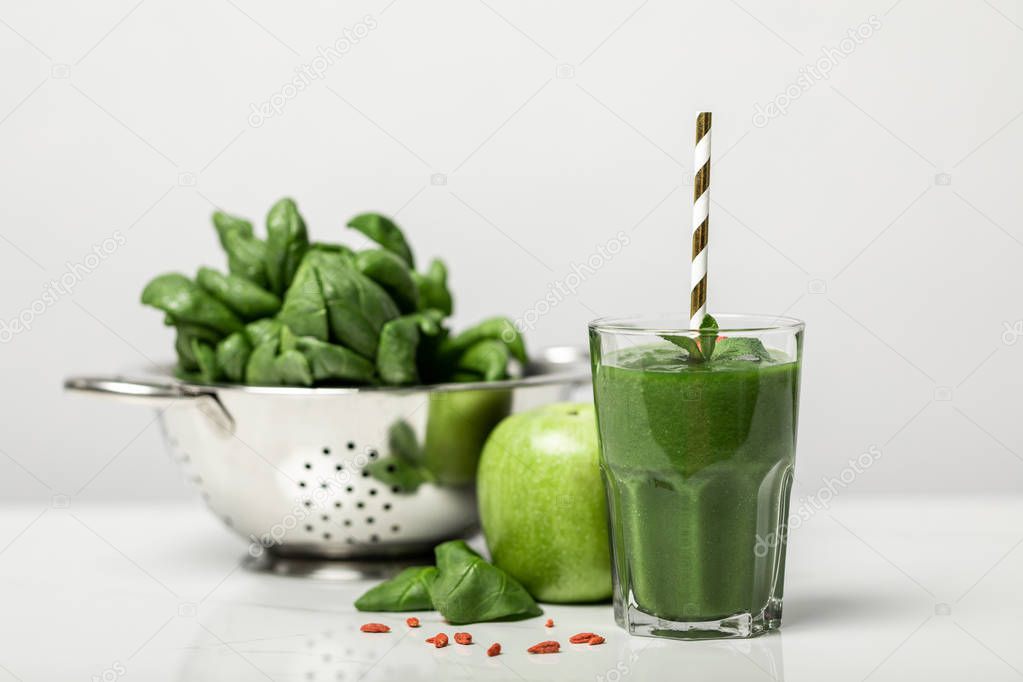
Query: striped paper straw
point(701, 212)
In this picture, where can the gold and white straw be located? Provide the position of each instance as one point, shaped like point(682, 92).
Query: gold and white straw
point(701, 213)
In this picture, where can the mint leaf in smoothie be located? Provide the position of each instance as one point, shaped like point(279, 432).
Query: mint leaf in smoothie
point(737, 348)
point(687, 344)
point(708, 336)
point(407, 591)
point(470, 590)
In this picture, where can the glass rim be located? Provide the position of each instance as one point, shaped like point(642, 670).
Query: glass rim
point(654, 324)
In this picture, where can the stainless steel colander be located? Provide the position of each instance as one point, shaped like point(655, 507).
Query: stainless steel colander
point(341, 473)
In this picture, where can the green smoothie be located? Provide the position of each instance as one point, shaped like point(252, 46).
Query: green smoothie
point(697, 458)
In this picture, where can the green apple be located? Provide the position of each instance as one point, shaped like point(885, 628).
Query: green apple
point(542, 503)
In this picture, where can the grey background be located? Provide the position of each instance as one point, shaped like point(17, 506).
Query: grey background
point(514, 138)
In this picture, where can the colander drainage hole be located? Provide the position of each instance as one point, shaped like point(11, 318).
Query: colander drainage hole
point(387, 506)
point(338, 467)
point(365, 474)
point(348, 522)
point(360, 504)
point(374, 538)
point(325, 518)
point(308, 465)
point(369, 520)
point(326, 536)
point(301, 484)
point(308, 503)
point(326, 450)
point(395, 528)
point(309, 529)
point(373, 454)
point(351, 445)
point(337, 505)
point(372, 491)
point(349, 489)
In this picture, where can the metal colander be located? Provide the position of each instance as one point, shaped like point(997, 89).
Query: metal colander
point(341, 473)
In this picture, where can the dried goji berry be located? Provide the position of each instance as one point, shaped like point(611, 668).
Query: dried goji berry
point(548, 647)
point(596, 639)
point(412, 622)
point(494, 649)
point(463, 638)
point(440, 640)
point(549, 623)
point(581, 638)
point(375, 627)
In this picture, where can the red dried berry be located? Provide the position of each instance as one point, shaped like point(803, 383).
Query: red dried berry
point(440, 640)
point(549, 623)
point(582, 638)
point(494, 649)
point(431, 640)
point(463, 638)
point(375, 627)
point(548, 647)
point(597, 639)
point(412, 622)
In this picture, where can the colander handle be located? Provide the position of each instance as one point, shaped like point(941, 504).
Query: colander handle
point(152, 393)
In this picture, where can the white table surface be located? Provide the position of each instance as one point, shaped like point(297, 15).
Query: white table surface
point(878, 589)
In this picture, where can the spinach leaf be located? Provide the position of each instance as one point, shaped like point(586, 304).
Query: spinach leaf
point(330, 362)
point(396, 356)
point(187, 302)
point(228, 224)
point(357, 307)
point(469, 590)
point(292, 369)
point(261, 331)
point(232, 355)
point(206, 357)
point(246, 257)
point(496, 328)
point(260, 369)
point(402, 441)
point(286, 244)
point(186, 333)
point(407, 591)
point(487, 358)
point(250, 301)
point(304, 309)
point(433, 288)
point(397, 473)
point(391, 273)
point(384, 232)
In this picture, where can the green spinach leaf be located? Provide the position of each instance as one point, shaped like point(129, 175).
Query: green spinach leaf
point(330, 362)
point(250, 301)
point(384, 232)
point(470, 590)
point(187, 302)
point(391, 273)
point(232, 356)
point(286, 244)
point(407, 591)
point(487, 358)
point(304, 309)
point(433, 288)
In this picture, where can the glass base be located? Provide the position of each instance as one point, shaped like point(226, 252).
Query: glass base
point(736, 626)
